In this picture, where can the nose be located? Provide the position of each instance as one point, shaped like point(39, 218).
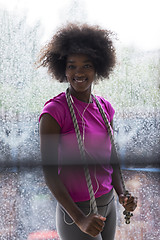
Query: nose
point(79, 71)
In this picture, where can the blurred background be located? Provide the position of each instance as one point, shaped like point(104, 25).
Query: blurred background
point(27, 208)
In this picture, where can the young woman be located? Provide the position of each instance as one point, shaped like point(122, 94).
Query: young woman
point(80, 55)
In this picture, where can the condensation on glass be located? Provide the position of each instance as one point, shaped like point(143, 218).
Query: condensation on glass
point(26, 205)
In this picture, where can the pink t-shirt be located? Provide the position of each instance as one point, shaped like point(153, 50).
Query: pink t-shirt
point(96, 142)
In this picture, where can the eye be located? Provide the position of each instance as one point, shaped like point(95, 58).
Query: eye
point(88, 66)
point(71, 67)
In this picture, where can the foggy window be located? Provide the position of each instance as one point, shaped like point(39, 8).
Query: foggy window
point(26, 205)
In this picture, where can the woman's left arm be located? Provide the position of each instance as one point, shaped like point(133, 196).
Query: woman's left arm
point(129, 202)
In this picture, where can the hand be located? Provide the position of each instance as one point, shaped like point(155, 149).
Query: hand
point(92, 224)
point(129, 203)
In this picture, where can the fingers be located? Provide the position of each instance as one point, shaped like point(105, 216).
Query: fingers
point(123, 199)
point(97, 225)
point(102, 218)
point(131, 204)
point(99, 222)
point(92, 224)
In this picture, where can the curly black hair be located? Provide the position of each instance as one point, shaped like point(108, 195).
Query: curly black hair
point(84, 39)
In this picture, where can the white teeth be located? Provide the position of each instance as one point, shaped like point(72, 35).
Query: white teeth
point(83, 80)
point(80, 80)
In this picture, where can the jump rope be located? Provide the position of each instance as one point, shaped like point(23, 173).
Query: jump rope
point(93, 204)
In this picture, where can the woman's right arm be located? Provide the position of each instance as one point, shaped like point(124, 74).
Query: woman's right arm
point(49, 140)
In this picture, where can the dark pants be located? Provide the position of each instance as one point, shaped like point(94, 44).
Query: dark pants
point(68, 230)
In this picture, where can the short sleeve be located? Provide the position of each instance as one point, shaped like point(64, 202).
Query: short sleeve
point(55, 109)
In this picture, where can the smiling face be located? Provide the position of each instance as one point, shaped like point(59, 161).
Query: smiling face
point(80, 73)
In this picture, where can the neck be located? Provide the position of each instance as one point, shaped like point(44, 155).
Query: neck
point(82, 96)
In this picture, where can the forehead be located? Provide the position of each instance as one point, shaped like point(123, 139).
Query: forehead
point(78, 58)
